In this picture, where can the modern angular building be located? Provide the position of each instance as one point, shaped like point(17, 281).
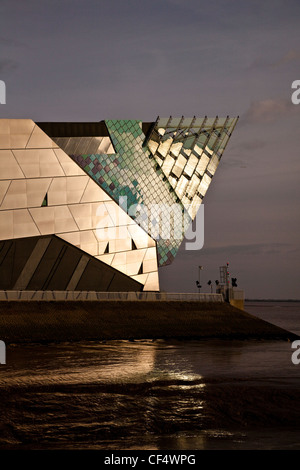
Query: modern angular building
point(101, 206)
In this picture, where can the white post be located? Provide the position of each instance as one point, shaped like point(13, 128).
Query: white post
point(2, 352)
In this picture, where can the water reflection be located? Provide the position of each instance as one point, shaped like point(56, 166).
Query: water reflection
point(82, 363)
point(143, 394)
point(144, 361)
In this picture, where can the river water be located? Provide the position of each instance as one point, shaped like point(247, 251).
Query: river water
point(155, 395)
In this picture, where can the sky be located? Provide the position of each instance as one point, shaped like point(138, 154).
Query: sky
point(88, 60)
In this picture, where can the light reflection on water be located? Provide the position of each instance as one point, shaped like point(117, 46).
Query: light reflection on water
point(139, 361)
point(151, 395)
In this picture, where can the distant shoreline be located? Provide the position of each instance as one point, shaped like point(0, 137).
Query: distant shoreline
point(272, 300)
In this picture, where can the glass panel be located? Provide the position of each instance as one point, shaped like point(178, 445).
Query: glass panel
point(153, 146)
point(212, 140)
point(208, 151)
point(189, 142)
point(168, 164)
point(203, 187)
point(193, 186)
point(179, 165)
point(209, 122)
point(181, 185)
point(201, 140)
point(191, 165)
point(175, 122)
point(175, 148)
point(203, 162)
point(213, 164)
point(162, 122)
point(164, 147)
point(199, 122)
point(198, 150)
point(186, 122)
point(194, 206)
point(220, 123)
point(173, 181)
point(170, 131)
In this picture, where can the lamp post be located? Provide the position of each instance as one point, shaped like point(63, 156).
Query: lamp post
point(200, 269)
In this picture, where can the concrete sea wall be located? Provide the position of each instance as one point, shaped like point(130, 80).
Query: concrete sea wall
point(40, 321)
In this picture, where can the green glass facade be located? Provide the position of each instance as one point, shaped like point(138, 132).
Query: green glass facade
point(170, 166)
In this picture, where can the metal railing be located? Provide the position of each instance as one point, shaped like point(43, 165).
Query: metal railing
point(8, 295)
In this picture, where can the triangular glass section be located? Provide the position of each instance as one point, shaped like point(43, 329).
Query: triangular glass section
point(45, 201)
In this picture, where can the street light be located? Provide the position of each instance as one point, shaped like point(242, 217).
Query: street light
point(199, 285)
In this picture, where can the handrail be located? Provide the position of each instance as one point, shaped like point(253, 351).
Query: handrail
point(17, 295)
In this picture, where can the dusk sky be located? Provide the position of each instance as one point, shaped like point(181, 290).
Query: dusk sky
point(88, 60)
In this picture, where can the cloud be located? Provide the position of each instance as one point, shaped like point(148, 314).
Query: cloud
point(10, 42)
point(293, 55)
point(246, 249)
point(7, 64)
point(268, 110)
point(290, 56)
point(234, 162)
point(249, 146)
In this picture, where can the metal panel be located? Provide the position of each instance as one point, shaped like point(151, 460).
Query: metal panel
point(67, 190)
point(25, 193)
point(23, 225)
point(9, 167)
point(94, 193)
point(78, 273)
point(3, 189)
point(69, 167)
point(39, 139)
point(38, 162)
point(14, 133)
point(32, 263)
